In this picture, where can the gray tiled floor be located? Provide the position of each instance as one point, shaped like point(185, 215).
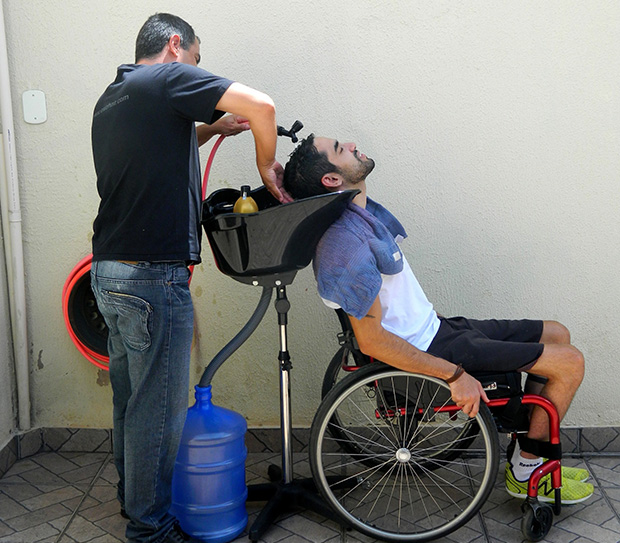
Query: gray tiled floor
point(70, 497)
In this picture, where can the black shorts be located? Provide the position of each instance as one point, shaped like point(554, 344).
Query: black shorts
point(488, 345)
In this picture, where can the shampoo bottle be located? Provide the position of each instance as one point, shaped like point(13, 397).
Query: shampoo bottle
point(245, 203)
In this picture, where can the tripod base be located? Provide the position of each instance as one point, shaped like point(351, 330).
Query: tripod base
point(282, 497)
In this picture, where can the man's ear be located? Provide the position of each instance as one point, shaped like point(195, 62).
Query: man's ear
point(174, 45)
point(332, 181)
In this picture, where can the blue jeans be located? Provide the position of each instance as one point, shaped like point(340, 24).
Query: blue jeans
point(148, 309)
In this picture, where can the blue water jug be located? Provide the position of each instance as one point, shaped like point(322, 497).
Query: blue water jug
point(208, 484)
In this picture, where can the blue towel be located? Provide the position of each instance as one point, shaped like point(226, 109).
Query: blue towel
point(353, 254)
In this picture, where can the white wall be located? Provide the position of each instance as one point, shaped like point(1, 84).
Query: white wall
point(495, 127)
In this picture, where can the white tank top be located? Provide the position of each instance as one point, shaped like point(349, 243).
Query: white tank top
point(407, 312)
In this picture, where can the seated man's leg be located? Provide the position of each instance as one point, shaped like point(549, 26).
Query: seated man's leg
point(538, 347)
point(554, 332)
point(562, 365)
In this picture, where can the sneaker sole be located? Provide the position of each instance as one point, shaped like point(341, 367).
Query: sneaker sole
point(549, 500)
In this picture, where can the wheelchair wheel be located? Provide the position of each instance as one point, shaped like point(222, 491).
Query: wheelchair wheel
point(339, 367)
point(398, 485)
point(537, 520)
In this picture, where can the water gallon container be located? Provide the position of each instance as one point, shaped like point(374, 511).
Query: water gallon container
point(208, 484)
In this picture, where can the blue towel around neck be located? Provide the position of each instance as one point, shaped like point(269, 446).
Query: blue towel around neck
point(353, 254)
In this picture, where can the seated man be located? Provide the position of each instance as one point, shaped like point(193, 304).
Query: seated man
point(360, 268)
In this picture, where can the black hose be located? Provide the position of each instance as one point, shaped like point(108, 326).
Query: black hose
point(239, 339)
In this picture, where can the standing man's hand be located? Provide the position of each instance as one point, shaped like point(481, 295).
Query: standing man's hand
point(273, 177)
point(231, 125)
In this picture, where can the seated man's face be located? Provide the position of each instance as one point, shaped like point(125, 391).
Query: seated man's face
point(353, 165)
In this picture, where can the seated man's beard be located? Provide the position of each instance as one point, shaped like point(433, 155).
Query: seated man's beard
point(361, 172)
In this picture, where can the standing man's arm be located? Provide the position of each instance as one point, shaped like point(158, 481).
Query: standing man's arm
point(376, 341)
point(259, 110)
point(231, 125)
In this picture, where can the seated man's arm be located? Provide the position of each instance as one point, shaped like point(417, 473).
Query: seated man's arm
point(376, 341)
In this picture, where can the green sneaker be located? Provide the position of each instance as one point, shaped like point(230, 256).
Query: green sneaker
point(575, 474)
point(571, 492)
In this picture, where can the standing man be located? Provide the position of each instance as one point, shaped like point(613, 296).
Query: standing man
point(147, 232)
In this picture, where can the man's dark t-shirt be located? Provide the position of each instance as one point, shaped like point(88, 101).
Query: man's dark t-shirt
point(146, 158)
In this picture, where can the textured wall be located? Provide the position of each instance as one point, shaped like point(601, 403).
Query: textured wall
point(495, 130)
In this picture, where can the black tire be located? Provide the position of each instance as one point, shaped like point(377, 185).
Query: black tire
point(86, 320)
point(404, 433)
point(536, 521)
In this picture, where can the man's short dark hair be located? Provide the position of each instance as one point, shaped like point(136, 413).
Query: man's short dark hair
point(305, 169)
point(156, 32)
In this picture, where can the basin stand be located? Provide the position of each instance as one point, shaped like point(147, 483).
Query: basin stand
point(284, 493)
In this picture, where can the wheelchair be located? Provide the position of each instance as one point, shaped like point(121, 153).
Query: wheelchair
point(397, 460)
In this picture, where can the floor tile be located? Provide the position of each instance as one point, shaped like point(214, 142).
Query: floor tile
point(5, 530)
point(20, 467)
point(9, 508)
point(35, 518)
point(61, 497)
point(19, 491)
point(42, 476)
point(36, 534)
point(114, 525)
point(54, 462)
point(83, 530)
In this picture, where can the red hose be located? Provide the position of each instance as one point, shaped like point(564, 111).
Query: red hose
point(83, 267)
point(209, 162)
point(205, 180)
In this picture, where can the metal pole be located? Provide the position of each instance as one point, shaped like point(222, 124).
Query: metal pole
point(282, 307)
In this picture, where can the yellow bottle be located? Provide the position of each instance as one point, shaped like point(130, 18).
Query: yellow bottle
point(245, 203)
